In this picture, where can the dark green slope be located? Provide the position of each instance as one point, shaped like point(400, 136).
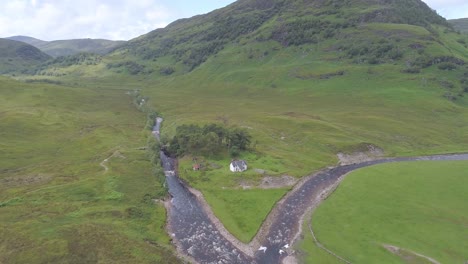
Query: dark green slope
point(460, 24)
point(58, 48)
point(290, 22)
point(17, 56)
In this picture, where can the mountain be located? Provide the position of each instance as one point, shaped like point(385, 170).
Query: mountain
point(289, 22)
point(29, 40)
point(58, 48)
point(17, 56)
point(460, 24)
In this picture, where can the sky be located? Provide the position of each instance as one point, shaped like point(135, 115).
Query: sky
point(124, 19)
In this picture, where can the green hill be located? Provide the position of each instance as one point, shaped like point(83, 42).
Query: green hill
point(58, 48)
point(17, 56)
point(460, 24)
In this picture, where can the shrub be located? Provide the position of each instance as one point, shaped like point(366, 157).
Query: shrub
point(447, 66)
point(167, 70)
point(412, 70)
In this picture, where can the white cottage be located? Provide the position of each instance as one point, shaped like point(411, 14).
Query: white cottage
point(238, 166)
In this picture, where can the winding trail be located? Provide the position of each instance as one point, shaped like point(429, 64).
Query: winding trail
point(202, 238)
point(104, 162)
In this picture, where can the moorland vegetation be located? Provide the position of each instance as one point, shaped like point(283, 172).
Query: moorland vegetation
point(305, 80)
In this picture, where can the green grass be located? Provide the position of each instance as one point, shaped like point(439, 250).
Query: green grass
point(57, 204)
point(243, 212)
point(418, 206)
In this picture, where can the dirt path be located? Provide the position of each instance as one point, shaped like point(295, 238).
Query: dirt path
point(408, 254)
point(104, 162)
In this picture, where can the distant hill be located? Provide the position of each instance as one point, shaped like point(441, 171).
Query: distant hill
point(58, 48)
point(16, 56)
point(29, 40)
point(460, 24)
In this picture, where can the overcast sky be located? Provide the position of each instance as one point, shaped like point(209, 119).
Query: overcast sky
point(123, 19)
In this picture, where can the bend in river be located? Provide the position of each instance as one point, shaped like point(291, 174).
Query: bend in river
point(198, 237)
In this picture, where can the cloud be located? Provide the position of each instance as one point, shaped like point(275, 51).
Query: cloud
point(66, 19)
point(449, 8)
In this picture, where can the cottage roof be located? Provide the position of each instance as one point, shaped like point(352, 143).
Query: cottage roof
point(238, 166)
point(239, 163)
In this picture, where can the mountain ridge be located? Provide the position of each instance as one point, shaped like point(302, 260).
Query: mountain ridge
point(16, 56)
point(57, 48)
point(460, 24)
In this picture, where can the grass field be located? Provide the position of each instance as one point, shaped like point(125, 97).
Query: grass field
point(417, 206)
point(57, 203)
point(298, 120)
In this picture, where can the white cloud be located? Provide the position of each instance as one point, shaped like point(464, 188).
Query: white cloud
point(449, 8)
point(66, 19)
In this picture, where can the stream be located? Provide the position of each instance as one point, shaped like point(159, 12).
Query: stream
point(197, 236)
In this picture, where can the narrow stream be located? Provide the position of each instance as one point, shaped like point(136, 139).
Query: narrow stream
point(200, 239)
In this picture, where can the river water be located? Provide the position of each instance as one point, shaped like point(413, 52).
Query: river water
point(199, 238)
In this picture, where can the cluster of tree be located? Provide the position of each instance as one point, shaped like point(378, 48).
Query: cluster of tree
point(373, 52)
point(412, 12)
point(77, 59)
point(306, 31)
point(197, 54)
point(464, 82)
point(208, 140)
point(452, 93)
point(167, 70)
point(424, 61)
point(132, 67)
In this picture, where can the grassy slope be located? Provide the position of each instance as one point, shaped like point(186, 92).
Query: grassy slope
point(57, 204)
point(423, 208)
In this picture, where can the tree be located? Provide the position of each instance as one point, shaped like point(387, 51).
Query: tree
point(207, 140)
point(239, 138)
